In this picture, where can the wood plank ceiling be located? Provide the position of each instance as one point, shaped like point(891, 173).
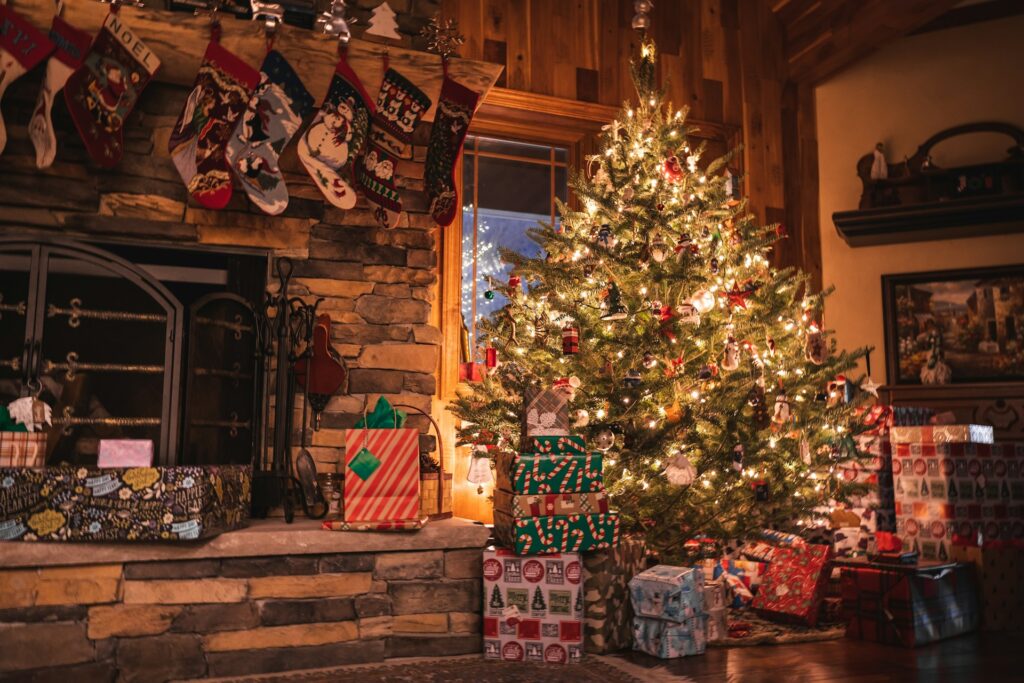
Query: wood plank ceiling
point(823, 36)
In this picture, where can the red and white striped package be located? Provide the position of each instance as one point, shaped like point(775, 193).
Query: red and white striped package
point(382, 475)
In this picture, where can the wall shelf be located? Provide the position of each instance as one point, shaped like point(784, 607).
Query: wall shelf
point(956, 218)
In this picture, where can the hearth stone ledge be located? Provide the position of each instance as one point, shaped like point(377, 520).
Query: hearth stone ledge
point(262, 538)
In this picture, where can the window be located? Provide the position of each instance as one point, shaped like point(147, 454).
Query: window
point(508, 187)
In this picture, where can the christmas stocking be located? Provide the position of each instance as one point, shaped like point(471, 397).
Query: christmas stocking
point(454, 112)
point(337, 136)
point(72, 45)
point(213, 109)
point(275, 112)
point(400, 106)
point(21, 48)
point(104, 90)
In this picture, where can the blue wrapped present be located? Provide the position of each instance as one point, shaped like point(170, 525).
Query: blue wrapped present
point(670, 640)
point(669, 593)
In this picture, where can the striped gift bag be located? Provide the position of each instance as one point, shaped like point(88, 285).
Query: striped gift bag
point(382, 475)
point(22, 449)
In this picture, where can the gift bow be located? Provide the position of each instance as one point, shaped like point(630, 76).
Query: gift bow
point(384, 416)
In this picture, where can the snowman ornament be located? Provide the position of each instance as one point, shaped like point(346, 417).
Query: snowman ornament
point(680, 471)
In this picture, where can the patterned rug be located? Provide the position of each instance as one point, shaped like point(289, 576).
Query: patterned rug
point(455, 670)
point(764, 632)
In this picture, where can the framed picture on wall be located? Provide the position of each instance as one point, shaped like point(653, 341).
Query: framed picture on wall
point(954, 326)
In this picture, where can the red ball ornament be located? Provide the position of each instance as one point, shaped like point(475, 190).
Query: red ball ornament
point(672, 169)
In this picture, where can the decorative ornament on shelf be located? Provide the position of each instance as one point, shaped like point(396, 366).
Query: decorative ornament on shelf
point(680, 471)
point(570, 339)
point(615, 309)
point(383, 23)
point(443, 36)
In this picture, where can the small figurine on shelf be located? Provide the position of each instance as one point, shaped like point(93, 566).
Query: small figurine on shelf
point(879, 166)
point(383, 23)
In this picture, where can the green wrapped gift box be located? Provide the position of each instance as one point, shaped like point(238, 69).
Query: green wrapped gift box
point(550, 504)
point(537, 473)
point(558, 534)
point(555, 445)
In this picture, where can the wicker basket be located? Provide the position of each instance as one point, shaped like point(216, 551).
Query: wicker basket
point(429, 498)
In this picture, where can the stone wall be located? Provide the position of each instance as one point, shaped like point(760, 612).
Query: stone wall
point(158, 621)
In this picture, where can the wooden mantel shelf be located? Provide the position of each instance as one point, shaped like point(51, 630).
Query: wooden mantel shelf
point(970, 217)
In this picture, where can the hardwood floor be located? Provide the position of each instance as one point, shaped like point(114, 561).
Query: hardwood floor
point(977, 658)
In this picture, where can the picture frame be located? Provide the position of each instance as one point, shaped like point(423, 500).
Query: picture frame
point(954, 327)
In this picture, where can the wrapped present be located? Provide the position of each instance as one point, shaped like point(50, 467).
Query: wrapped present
point(414, 524)
point(533, 607)
point(530, 473)
point(607, 606)
point(750, 573)
point(741, 595)
point(22, 449)
point(668, 593)
point(123, 504)
point(545, 413)
point(943, 434)
point(758, 551)
point(909, 606)
point(717, 624)
point(947, 489)
point(550, 504)
point(781, 538)
point(794, 584)
point(125, 453)
point(670, 640)
point(382, 468)
point(1000, 569)
point(554, 445)
point(715, 594)
point(560, 534)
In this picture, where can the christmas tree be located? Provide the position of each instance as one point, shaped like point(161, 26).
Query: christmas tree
point(703, 370)
point(496, 601)
point(538, 604)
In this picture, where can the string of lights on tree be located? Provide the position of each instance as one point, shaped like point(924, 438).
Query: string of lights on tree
point(701, 370)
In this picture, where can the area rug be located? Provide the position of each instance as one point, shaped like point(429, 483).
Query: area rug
point(454, 670)
point(764, 632)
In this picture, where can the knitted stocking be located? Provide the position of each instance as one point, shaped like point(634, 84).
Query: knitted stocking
point(72, 45)
point(21, 48)
point(454, 112)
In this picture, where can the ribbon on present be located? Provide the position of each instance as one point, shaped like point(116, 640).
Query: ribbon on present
point(384, 416)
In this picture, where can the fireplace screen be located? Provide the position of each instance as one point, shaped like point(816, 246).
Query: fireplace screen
point(108, 343)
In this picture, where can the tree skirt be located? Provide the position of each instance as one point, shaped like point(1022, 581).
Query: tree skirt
point(765, 632)
point(454, 670)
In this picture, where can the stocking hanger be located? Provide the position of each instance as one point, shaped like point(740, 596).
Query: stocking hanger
point(334, 24)
point(117, 4)
point(271, 14)
point(213, 8)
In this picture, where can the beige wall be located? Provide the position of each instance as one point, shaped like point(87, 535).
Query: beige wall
point(901, 95)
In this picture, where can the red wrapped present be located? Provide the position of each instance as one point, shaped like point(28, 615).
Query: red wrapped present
point(382, 475)
point(794, 584)
point(909, 606)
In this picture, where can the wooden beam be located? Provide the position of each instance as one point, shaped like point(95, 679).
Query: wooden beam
point(855, 28)
point(972, 14)
point(179, 40)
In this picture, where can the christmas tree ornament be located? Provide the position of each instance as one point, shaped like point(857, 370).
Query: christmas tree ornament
point(672, 169)
point(568, 386)
point(383, 23)
point(714, 266)
point(22, 46)
point(869, 386)
point(707, 372)
point(731, 355)
point(70, 48)
point(667, 324)
point(805, 451)
point(761, 491)
point(540, 330)
point(688, 314)
point(479, 468)
point(659, 248)
point(770, 343)
point(615, 310)
point(738, 453)
point(213, 109)
point(739, 296)
point(815, 348)
point(31, 412)
point(276, 109)
point(455, 108)
point(580, 418)
point(490, 357)
point(756, 399)
point(104, 90)
point(338, 136)
point(650, 360)
point(400, 106)
point(703, 301)
point(680, 471)
point(489, 294)
point(632, 379)
point(604, 439)
point(606, 238)
point(782, 412)
point(570, 339)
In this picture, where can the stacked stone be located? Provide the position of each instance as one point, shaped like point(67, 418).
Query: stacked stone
point(169, 620)
point(551, 498)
